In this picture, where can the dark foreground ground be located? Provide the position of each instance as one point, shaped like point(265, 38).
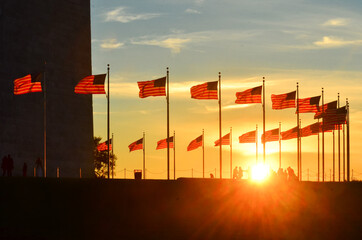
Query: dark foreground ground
point(32, 208)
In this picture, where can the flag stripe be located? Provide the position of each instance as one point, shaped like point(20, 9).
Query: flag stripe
point(93, 84)
point(152, 88)
point(206, 90)
point(282, 101)
point(271, 135)
point(325, 108)
point(27, 84)
point(104, 146)
point(249, 96)
point(289, 134)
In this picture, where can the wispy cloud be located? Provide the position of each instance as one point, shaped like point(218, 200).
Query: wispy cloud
point(120, 15)
point(336, 22)
point(333, 42)
point(175, 44)
point(111, 44)
point(192, 11)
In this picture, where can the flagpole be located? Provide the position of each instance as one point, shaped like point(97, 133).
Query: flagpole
point(203, 155)
point(112, 157)
point(339, 148)
point(344, 152)
point(280, 146)
point(348, 143)
point(174, 156)
point(263, 140)
point(108, 95)
point(318, 153)
point(334, 167)
point(322, 136)
point(45, 123)
point(231, 154)
point(300, 150)
point(144, 155)
point(168, 126)
point(298, 137)
point(220, 135)
point(256, 144)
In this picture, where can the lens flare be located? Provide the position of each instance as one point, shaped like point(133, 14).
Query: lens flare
point(259, 172)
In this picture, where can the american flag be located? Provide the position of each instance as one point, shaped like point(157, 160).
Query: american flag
point(252, 95)
point(163, 143)
point(29, 83)
point(282, 101)
point(93, 84)
point(336, 116)
point(271, 135)
point(152, 88)
point(136, 145)
point(225, 140)
point(312, 129)
point(289, 134)
point(309, 105)
point(206, 90)
point(104, 146)
point(325, 108)
point(197, 142)
point(249, 137)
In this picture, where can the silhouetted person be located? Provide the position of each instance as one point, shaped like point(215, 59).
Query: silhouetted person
point(291, 174)
point(235, 173)
point(240, 173)
point(25, 169)
point(4, 165)
point(211, 175)
point(39, 167)
point(10, 166)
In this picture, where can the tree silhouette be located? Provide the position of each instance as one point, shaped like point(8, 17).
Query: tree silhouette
point(101, 160)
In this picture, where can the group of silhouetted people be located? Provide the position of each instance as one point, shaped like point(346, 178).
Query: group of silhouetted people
point(7, 165)
point(238, 173)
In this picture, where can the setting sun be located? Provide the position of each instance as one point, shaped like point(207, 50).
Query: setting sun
point(259, 172)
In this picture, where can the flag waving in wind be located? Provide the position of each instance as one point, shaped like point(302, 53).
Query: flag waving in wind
point(206, 90)
point(225, 140)
point(271, 135)
point(289, 134)
point(29, 83)
point(152, 88)
point(252, 95)
point(282, 101)
point(93, 84)
point(309, 105)
point(104, 146)
point(195, 143)
point(249, 137)
point(163, 143)
point(137, 145)
point(331, 106)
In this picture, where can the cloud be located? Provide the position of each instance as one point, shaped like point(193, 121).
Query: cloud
point(175, 44)
point(119, 15)
point(192, 11)
point(336, 22)
point(333, 42)
point(111, 44)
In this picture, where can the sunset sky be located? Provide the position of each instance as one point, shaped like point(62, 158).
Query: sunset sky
point(316, 43)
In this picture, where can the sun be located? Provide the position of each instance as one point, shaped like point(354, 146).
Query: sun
point(259, 172)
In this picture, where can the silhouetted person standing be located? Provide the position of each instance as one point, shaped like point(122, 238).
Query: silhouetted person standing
point(235, 173)
point(39, 167)
point(25, 169)
point(10, 166)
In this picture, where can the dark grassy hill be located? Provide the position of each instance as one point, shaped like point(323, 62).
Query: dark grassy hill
point(35, 208)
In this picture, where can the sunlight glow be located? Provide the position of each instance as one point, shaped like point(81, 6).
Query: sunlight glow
point(259, 172)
